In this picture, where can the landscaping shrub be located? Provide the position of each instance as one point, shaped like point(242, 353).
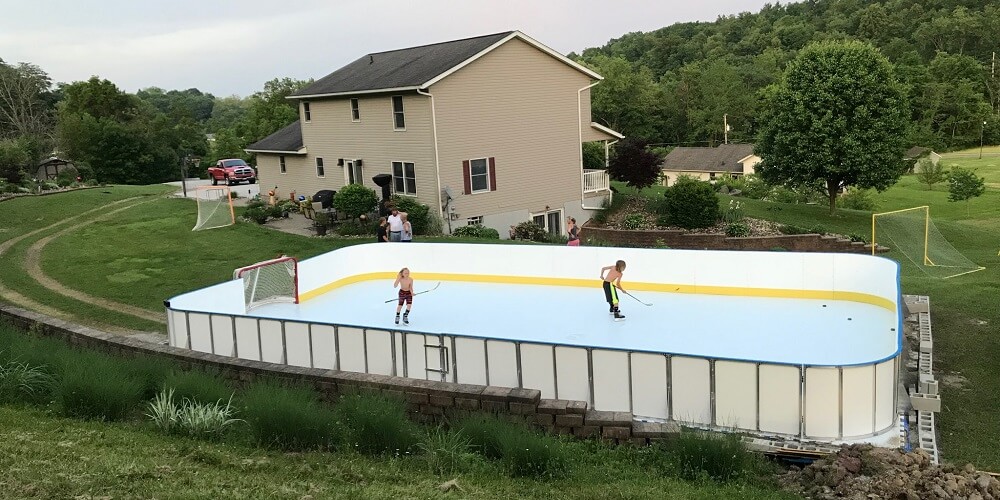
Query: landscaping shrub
point(696, 455)
point(733, 212)
point(150, 371)
point(530, 231)
point(289, 418)
point(374, 424)
point(202, 420)
point(417, 214)
point(792, 229)
point(354, 200)
point(476, 231)
point(257, 214)
point(754, 187)
point(738, 229)
point(858, 199)
point(523, 451)
point(197, 386)
point(355, 228)
point(857, 237)
point(782, 194)
point(691, 204)
point(24, 383)
point(446, 452)
point(98, 387)
point(67, 177)
point(633, 221)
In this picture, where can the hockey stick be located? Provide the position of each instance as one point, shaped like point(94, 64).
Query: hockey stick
point(636, 299)
point(418, 293)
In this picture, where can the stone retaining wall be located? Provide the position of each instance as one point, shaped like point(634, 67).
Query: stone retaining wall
point(684, 240)
point(427, 401)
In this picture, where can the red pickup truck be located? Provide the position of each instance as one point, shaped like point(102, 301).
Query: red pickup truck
point(233, 171)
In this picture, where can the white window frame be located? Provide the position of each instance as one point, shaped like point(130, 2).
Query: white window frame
point(306, 112)
point(402, 167)
point(355, 109)
point(472, 221)
point(400, 112)
point(472, 185)
point(349, 171)
point(281, 165)
point(545, 216)
point(320, 167)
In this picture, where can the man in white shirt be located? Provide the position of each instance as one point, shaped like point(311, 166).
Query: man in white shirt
point(395, 225)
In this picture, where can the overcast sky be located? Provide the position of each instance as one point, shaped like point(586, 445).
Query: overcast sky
point(233, 47)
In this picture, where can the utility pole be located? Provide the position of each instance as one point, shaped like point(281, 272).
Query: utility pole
point(184, 163)
point(981, 129)
point(725, 128)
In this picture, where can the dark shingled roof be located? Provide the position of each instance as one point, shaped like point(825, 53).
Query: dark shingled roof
point(915, 152)
point(724, 158)
point(410, 67)
point(288, 139)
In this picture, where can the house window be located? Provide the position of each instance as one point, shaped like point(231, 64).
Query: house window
point(354, 174)
point(480, 175)
point(319, 168)
point(711, 176)
point(404, 178)
point(281, 164)
point(305, 111)
point(355, 111)
point(397, 113)
point(550, 221)
point(472, 221)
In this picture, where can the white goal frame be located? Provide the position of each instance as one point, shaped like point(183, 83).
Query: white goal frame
point(251, 276)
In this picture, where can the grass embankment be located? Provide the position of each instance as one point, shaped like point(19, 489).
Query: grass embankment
point(282, 442)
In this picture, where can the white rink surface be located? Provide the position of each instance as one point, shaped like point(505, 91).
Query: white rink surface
point(773, 330)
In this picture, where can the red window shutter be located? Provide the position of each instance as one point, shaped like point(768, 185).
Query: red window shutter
point(493, 174)
point(467, 176)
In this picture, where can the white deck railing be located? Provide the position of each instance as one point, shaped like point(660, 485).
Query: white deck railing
point(596, 180)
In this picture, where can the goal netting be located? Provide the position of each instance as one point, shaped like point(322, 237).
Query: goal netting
point(215, 207)
point(270, 281)
point(912, 239)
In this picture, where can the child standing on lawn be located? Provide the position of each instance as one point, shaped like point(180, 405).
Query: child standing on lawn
point(613, 283)
point(405, 284)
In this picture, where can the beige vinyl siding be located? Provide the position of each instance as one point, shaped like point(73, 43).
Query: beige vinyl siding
point(590, 133)
point(519, 105)
point(296, 166)
point(331, 134)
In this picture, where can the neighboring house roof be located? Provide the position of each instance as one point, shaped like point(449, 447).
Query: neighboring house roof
point(286, 140)
point(915, 152)
point(54, 161)
point(606, 130)
point(416, 67)
point(724, 158)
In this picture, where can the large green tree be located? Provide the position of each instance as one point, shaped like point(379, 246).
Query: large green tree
point(837, 117)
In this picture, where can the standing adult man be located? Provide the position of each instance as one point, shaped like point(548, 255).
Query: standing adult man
point(395, 221)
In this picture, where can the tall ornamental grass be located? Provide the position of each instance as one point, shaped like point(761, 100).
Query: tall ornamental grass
point(374, 424)
point(288, 418)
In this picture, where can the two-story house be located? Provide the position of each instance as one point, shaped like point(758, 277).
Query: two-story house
point(482, 130)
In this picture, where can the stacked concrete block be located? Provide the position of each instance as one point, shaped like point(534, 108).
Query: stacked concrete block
point(926, 434)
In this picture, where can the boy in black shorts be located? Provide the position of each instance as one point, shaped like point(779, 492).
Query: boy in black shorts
point(613, 283)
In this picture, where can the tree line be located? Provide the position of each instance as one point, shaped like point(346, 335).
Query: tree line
point(673, 86)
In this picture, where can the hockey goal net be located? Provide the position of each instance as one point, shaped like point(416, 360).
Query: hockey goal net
point(215, 207)
point(270, 281)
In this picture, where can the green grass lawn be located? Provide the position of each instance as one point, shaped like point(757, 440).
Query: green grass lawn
point(148, 253)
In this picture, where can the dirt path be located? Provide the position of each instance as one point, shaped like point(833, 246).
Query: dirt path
point(33, 265)
point(15, 297)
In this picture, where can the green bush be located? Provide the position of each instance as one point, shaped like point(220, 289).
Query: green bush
point(289, 418)
point(857, 237)
point(67, 176)
point(446, 452)
point(754, 187)
point(782, 194)
point(530, 231)
point(197, 386)
point(696, 455)
point(354, 200)
point(417, 214)
point(858, 199)
point(633, 221)
point(24, 383)
point(98, 387)
point(256, 214)
point(792, 229)
point(50, 186)
point(733, 212)
point(201, 420)
point(691, 204)
point(524, 452)
point(476, 231)
point(355, 228)
point(374, 424)
point(738, 229)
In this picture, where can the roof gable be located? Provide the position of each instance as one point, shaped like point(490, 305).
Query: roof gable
point(415, 67)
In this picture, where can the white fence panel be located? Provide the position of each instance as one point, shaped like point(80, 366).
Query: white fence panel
point(572, 374)
point(297, 339)
point(779, 399)
point(611, 380)
point(736, 394)
point(537, 371)
point(690, 387)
